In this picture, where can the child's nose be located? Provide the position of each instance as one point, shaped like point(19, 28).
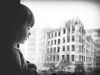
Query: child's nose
point(29, 33)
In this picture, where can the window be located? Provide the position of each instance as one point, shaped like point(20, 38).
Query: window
point(68, 48)
point(79, 39)
point(73, 38)
point(72, 57)
point(55, 42)
point(57, 57)
point(58, 41)
point(50, 50)
point(79, 57)
point(52, 35)
point(59, 33)
point(63, 56)
point(68, 39)
point(84, 58)
point(68, 58)
point(68, 30)
point(49, 36)
point(53, 57)
point(63, 39)
point(64, 31)
point(63, 48)
point(82, 48)
point(73, 29)
point(51, 42)
point(82, 40)
point(58, 49)
point(79, 48)
point(55, 34)
point(73, 47)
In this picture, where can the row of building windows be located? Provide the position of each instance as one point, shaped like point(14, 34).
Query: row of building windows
point(81, 48)
point(81, 40)
point(67, 57)
point(67, 48)
point(57, 49)
point(82, 58)
point(68, 40)
point(54, 42)
point(51, 35)
point(57, 58)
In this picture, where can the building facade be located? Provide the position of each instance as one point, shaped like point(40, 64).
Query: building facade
point(70, 43)
point(66, 43)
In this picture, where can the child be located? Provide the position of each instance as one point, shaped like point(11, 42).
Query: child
point(18, 32)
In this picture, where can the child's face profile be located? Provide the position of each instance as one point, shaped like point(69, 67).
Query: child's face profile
point(23, 34)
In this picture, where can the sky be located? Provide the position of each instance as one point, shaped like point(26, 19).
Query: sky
point(53, 14)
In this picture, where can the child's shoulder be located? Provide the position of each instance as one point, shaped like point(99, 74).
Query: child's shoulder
point(13, 48)
point(15, 51)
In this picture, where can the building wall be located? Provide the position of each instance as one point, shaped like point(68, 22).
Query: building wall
point(84, 45)
point(66, 42)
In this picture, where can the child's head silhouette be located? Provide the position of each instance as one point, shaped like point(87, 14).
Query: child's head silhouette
point(19, 26)
point(23, 24)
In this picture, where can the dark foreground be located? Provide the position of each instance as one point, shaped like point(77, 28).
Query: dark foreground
point(67, 73)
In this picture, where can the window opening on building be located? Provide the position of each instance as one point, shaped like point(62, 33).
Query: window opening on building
point(63, 48)
point(53, 57)
point(64, 31)
point(58, 41)
point(72, 57)
point(68, 38)
point(68, 58)
point(58, 49)
point(59, 33)
point(73, 47)
point(63, 39)
point(63, 57)
point(73, 29)
point(55, 41)
point(73, 38)
point(68, 48)
point(55, 34)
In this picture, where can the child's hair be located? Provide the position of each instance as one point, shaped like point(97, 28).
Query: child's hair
point(22, 17)
point(26, 17)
